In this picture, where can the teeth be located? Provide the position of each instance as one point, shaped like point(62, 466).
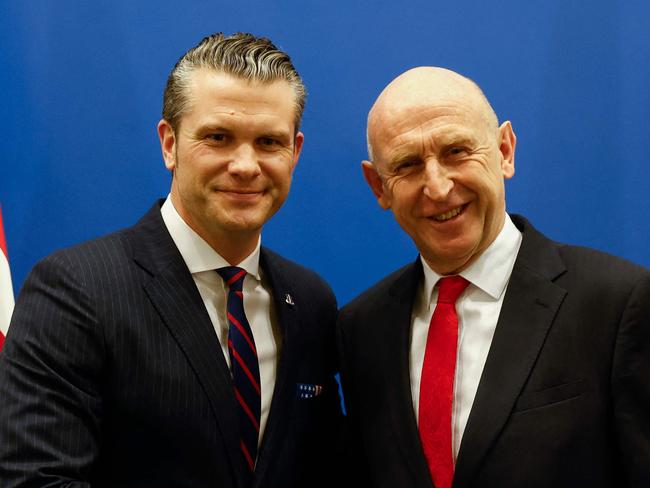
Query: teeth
point(448, 215)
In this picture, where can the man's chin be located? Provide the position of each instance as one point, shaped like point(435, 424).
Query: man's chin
point(237, 218)
point(245, 223)
point(450, 257)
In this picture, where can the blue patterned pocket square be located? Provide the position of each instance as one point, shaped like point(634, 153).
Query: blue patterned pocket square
point(305, 390)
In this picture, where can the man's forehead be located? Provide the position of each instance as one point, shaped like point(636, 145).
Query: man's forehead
point(442, 120)
point(216, 94)
point(423, 104)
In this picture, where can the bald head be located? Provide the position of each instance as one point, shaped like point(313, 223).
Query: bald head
point(439, 160)
point(438, 87)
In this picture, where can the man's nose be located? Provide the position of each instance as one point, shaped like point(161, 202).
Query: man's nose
point(245, 161)
point(437, 181)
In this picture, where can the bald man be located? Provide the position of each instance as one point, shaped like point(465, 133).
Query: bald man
point(498, 358)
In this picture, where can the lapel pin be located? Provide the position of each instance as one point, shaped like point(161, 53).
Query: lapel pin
point(289, 300)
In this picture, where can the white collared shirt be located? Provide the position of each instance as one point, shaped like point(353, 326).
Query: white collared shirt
point(478, 310)
point(203, 261)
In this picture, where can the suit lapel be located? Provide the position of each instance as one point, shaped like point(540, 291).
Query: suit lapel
point(173, 293)
point(529, 308)
point(287, 315)
point(393, 322)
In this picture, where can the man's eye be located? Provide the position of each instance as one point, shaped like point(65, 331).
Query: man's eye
point(405, 166)
point(217, 137)
point(267, 141)
point(457, 150)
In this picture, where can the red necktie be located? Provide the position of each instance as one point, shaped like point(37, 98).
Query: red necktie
point(437, 382)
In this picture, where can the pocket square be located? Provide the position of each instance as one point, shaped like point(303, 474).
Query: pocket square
point(306, 390)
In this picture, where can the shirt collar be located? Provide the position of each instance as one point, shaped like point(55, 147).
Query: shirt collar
point(198, 255)
point(491, 271)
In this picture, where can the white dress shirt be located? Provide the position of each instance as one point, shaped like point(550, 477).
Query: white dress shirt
point(203, 261)
point(478, 310)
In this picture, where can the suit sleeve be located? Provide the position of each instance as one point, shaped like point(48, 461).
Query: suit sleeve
point(50, 377)
point(631, 385)
point(353, 458)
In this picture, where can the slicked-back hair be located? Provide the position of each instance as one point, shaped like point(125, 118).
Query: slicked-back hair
point(240, 55)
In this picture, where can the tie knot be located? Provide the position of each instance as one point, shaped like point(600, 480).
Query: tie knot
point(233, 276)
point(450, 288)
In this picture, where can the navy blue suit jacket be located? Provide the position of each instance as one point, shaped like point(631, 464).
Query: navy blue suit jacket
point(564, 398)
point(112, 374)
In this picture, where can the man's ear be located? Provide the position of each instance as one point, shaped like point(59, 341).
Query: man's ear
point(297, 147)
point(376, 184)
point(167, 144)
point(507, 144)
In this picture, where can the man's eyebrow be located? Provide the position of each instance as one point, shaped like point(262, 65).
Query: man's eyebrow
point(463, 139)
point(217, 126)
point(455, 138)
point(275, 134)
point(212, 126)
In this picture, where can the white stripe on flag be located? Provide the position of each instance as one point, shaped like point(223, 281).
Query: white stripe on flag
point(6, 294)
point(6, 289)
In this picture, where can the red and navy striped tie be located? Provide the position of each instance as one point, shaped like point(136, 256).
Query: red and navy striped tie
point(243, 365)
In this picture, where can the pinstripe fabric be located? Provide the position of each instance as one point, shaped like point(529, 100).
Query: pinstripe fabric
point(112, 374)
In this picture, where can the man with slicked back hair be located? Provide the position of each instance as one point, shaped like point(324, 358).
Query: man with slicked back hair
point(180, 351)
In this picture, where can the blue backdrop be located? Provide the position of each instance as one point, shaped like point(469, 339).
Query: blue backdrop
point(81, 87)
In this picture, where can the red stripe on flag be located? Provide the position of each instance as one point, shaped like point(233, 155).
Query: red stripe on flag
point(3, 241)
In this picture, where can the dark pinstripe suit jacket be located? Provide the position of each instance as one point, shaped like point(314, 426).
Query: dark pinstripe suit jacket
point(112, 375)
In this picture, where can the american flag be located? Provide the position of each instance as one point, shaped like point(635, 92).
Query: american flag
point(6, 290)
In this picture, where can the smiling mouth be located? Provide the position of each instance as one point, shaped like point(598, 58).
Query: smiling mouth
point(243, 193)
point(241, 190)
point(444, 217)
point(244, 197)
